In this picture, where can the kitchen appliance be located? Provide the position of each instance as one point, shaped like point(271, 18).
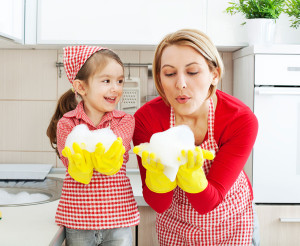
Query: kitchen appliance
point(24, 171)
point(131, 95)
point(30, 192)
point(270, 85)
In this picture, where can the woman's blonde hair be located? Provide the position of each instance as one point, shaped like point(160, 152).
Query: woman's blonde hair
point(198, 41)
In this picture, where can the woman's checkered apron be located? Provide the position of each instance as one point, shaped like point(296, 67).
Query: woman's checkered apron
point(230, 223)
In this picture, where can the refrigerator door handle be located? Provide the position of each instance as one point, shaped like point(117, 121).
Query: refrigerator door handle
point(294, 69)
point(277, 91)
point(290, 220)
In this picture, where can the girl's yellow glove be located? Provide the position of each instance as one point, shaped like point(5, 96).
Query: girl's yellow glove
point(109, 162)
point(190, 176)
point(80, 165)
point(156, 180)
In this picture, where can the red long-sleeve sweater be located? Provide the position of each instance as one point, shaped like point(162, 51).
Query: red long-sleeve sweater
point(235, 131)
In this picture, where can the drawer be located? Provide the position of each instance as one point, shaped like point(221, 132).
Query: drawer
point(279, 225)
point(277, 70)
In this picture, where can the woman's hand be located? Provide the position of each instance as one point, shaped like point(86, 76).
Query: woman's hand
point(156, 180)
point(109, 162)
point(80, 165)
point(190, 176)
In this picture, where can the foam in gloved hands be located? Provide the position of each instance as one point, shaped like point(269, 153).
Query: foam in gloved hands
point(168, 145)
point(88, 139)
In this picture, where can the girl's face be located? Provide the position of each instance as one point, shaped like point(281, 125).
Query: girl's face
point(186, 79)
point(104, 89)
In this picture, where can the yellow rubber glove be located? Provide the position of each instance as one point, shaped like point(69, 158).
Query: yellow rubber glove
point(190, 176)
point(109, 162)
point(80, 165)
point(156, 180)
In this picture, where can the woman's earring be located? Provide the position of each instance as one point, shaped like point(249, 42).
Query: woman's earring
point(213, 83)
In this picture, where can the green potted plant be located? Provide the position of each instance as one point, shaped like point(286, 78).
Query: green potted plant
point(293, 11)
point(260, 17)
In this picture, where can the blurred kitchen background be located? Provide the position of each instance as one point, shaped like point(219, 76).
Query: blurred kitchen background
point(33, 33)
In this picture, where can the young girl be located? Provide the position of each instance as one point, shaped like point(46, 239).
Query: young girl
point(97, 207)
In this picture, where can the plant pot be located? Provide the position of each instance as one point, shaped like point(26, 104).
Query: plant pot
point(261, 31)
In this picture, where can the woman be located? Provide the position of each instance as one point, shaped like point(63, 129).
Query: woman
point(215, 208)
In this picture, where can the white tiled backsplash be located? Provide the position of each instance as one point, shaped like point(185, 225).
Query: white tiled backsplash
point(29, 88)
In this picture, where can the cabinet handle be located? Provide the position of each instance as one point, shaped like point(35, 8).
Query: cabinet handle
point(289, 220)
point(295, 69)
point(278, 92)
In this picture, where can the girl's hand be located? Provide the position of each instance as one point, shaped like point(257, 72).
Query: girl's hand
point(80, 165)
point(190, 176)
point(109, 163)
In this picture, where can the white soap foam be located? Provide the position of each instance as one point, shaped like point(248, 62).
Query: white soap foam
point(88, 139)
point(168, 145)
point(21, 197)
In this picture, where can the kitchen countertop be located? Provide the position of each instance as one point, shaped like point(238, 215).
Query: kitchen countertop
point(28, 225)
point(34, 225)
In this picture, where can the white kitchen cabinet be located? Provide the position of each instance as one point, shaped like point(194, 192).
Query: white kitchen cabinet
point(12, 20)
point(131, 22)
point(261, 65)
point(266, 79)
point(279, 225)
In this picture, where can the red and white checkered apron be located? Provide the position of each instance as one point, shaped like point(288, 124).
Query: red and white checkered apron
point(107, 201)
point(230, 223)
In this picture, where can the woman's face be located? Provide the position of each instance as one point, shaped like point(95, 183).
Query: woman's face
point(186, 78)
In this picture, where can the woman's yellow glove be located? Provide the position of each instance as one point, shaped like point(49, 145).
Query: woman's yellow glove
point(109, 162)
point(80, 165)
point(156, 180)
point(190, 176)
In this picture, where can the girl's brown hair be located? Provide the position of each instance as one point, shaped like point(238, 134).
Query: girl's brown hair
point(68, 101)
point(198, 41)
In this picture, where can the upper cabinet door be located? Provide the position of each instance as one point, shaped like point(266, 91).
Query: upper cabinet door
point(12, 20)
point(138, 22)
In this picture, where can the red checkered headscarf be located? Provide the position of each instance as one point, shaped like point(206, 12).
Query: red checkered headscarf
point(75, 57)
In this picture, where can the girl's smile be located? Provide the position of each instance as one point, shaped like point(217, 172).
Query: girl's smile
point(110, 99)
